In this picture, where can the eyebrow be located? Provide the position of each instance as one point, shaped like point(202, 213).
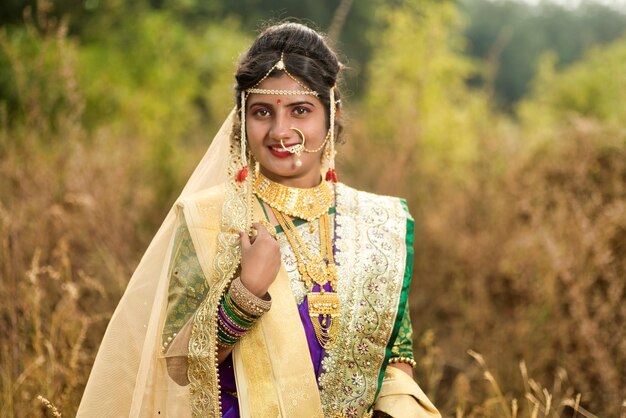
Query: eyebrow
point(301, 102)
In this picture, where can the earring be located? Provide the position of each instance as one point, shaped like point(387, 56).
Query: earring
point(242, 174)
point(331, 174)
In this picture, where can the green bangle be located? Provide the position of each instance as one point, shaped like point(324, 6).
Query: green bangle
point(236, 318)
point(238, 311)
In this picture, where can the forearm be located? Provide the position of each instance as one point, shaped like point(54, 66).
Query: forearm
point(406, 368)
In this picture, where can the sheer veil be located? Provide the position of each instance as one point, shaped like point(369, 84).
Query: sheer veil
point(125, 376)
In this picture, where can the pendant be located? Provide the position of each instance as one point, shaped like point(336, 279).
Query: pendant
point(325, 316)
point(317, 271)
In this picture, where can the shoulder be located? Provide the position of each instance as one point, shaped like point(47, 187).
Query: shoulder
point(370, 201)
point(202, 209)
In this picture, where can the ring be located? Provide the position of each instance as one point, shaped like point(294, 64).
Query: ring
point(270, 228)
point(297, 148)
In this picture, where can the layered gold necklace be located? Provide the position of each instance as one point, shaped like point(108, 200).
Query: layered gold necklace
point(314, 269)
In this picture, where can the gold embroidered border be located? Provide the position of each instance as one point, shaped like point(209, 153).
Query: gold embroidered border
point(203, 375)
point(371, 256)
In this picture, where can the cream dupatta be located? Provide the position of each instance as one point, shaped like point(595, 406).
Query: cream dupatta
point(273, 369)
point(129, 376)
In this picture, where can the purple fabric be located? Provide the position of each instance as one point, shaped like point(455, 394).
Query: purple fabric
point(315, 349)
point(230, 406)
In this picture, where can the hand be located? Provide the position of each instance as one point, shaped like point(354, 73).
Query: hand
point(260, 260)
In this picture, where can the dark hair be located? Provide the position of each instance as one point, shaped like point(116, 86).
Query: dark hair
point(307, 56)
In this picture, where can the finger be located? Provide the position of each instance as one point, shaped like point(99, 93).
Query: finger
point(260, 228)
point(265, 229)
point(245, 240)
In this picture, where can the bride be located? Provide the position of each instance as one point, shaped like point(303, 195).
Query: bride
point(271, 289)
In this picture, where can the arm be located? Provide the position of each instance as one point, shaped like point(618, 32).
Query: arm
point(400, 395)
point(188, 288)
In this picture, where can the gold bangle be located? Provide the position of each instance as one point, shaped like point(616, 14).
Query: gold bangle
point(224, 345)
point(406, 360)
point(248, 301)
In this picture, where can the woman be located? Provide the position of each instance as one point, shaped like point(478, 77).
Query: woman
point(270, 290)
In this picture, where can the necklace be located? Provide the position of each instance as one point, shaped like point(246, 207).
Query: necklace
point(307, 204)
point(316, 269)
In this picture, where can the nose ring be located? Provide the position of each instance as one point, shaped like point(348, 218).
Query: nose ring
point(296, 148)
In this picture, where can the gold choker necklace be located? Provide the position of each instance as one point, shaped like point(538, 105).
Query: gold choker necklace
point(307, 204)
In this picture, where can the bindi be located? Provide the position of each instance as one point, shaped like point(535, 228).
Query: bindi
point(278, 101)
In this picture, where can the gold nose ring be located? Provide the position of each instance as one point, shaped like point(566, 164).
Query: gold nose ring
point(296, 148)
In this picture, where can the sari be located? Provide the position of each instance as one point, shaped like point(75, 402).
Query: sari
point(373, 251)
point(158, 356)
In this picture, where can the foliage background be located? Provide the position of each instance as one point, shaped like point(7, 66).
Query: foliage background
point(502, 123)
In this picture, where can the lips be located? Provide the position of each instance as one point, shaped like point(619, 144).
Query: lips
point(278, 151)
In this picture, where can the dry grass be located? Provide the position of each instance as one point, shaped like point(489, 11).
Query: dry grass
point(71, 214)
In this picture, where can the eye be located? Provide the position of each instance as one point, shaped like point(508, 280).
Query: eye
point(260, 112)
point(301, 110)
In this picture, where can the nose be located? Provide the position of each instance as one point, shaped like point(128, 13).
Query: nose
point(280, 128)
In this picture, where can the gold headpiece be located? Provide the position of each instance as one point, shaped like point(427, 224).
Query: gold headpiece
point(280, 65)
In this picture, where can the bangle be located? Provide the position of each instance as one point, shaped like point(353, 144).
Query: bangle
point(229, 325)
point(223, 339)
point(240, 313)
point(248, 301)
point(406, 360)
point(224, 343)
point(235, 315)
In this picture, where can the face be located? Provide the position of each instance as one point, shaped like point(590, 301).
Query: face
point(269, 118)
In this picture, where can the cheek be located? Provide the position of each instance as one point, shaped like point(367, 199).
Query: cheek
point(255, 133)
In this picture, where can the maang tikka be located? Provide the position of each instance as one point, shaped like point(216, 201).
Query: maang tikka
point(331, 174)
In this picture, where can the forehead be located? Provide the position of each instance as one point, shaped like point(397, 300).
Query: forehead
point(282, 83)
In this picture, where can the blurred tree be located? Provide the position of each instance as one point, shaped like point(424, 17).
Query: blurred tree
point(509, 36)
point(93, 20)
point(593, 88)
point(416, 88)
point(158, 80)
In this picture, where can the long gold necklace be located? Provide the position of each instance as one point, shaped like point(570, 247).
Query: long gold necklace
point(307, 204)
point(323, 306)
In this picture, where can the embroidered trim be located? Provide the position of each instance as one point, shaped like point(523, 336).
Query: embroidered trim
point(371, 272)
point(236, 216)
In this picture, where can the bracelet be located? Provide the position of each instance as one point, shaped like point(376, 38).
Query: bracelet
point(238, 312)
point(406, 360)
point(224, 343)
point(223, 337)
point(235, 315)
point(248, 301)
point(229, 325)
